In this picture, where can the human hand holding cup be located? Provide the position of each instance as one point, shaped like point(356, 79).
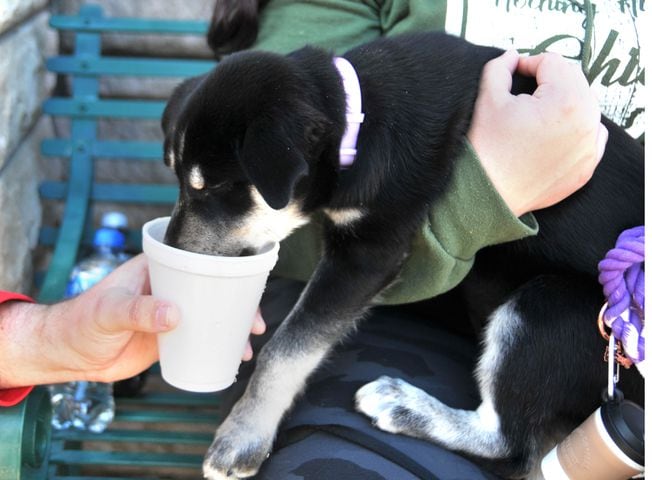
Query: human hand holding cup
point(217, 296)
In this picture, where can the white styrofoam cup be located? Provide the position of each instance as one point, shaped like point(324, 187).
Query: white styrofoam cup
point(218, 297)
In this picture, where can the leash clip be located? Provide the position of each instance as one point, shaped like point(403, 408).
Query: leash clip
point(613, 368)
point(615, 347)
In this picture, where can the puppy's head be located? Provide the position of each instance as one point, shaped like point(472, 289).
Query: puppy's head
point(241, 140)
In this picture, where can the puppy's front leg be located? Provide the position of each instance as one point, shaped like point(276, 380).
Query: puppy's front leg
point(326, 312)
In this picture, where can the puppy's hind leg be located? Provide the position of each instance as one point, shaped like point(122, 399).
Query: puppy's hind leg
point(398, 407)
point(540, 374)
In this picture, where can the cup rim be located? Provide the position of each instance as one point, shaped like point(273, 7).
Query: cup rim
point(200, 263)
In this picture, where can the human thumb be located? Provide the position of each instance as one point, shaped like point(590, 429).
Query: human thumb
point(121, 311)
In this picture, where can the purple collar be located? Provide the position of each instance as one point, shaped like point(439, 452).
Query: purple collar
point(354, 115)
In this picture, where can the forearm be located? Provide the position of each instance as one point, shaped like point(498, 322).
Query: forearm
point(105, 334)
point(469, 216)
point(29, 350)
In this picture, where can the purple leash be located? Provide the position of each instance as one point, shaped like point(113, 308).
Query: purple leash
point(622, 276)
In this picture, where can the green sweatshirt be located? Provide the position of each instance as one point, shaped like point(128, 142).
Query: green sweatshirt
point(471, 215)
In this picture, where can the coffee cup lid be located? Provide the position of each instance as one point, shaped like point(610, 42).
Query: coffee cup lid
point(624, 421)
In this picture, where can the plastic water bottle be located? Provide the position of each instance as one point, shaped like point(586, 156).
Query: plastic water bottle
point(117, 221)
point(62, 396)
point(89, 405)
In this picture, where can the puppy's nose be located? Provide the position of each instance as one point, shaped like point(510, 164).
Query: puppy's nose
point(245, 252)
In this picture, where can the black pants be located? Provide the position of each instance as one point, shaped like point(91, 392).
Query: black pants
point(323, 437)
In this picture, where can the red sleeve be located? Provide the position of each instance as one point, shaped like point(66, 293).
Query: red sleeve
point(12, 396)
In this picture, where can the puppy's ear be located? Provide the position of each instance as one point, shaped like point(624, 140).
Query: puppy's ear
point(273, 157)
point(177, 101)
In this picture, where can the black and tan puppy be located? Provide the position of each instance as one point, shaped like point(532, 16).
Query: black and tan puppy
point(255, 144)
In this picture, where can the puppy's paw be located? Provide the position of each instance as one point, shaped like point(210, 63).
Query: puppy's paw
point(237, 451)
point(394, 406)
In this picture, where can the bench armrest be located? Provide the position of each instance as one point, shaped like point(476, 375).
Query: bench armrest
point(25, 437)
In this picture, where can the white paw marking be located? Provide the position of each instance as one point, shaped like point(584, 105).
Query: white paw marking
point(380, 399)
point(237, 451)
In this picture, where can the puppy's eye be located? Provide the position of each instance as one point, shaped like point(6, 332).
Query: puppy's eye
point(196, 179)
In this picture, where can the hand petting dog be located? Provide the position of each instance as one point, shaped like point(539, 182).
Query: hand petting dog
point(526, 137)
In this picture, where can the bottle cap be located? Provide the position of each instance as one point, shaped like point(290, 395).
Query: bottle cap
point(114, 220)
point(109, 237)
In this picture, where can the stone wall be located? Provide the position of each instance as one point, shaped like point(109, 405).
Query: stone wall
point(25, 41)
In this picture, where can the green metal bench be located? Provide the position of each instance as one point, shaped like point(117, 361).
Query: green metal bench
point(136, 442)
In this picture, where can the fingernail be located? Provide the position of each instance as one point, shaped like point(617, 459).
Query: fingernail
point(164, 319)
point(259, 323)
point(248, 353)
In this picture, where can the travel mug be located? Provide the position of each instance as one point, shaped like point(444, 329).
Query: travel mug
point(609, 445)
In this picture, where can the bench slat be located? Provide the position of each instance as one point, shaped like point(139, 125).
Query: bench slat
point(127, 459)
point(186, 399)
point(120, 193)
point(82, 108)
point(83, 23)
point(123, 149)
point(122, 66)
point(137, 436)
point(85, 477)
point(48, 237)
point(164, 416)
